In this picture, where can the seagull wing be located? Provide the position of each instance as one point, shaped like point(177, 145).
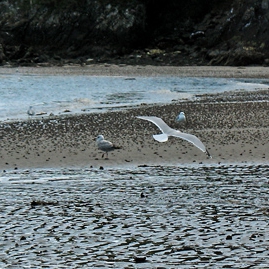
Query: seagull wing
point(190, 138)
point(105, 145)
point(158, 122)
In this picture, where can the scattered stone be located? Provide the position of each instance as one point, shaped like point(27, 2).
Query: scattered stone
point(229, 237)
point(140, 259)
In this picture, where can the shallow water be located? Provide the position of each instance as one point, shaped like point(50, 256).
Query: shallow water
point(175, 217)
point(60, 94)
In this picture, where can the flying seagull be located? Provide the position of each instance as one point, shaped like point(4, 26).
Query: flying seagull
point(168, 131)
point(181, 117)
point(105, 145)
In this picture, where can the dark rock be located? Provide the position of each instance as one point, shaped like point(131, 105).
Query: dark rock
point(232, 32)
point(140, 259)
point(229, 237)
point(2, 54)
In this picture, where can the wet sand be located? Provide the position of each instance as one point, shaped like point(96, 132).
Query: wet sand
point(233, 126)
point(187, 217)
point(147, 70)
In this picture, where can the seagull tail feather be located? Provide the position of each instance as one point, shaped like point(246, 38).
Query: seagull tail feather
point(116, 147)
point(161, 137)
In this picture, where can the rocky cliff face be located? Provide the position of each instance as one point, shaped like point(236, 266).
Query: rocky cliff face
point(224, 32)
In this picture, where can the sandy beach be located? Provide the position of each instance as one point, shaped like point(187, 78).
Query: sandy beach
point(153, 205)
point(146, 70)
point(233, 126)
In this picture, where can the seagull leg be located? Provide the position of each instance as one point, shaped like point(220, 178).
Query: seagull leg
point(208, 154)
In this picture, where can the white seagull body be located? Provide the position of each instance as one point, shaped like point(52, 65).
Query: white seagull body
point(31, 111)
point(168, 131)
point(181, 117)
point(105, 145)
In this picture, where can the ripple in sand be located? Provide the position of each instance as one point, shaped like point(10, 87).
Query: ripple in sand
point(192, 216)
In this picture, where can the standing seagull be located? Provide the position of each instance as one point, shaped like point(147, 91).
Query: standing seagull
point(30, 111)
point(105, 145)
point(181, 117)
point(168, 131)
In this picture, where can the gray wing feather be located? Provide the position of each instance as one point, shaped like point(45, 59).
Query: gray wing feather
point(158, 122)
point(105, 145)
point(190, 138)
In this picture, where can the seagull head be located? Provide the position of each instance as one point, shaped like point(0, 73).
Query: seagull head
point(99, 138)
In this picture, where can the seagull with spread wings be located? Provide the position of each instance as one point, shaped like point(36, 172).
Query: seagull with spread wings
point(168, 131)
